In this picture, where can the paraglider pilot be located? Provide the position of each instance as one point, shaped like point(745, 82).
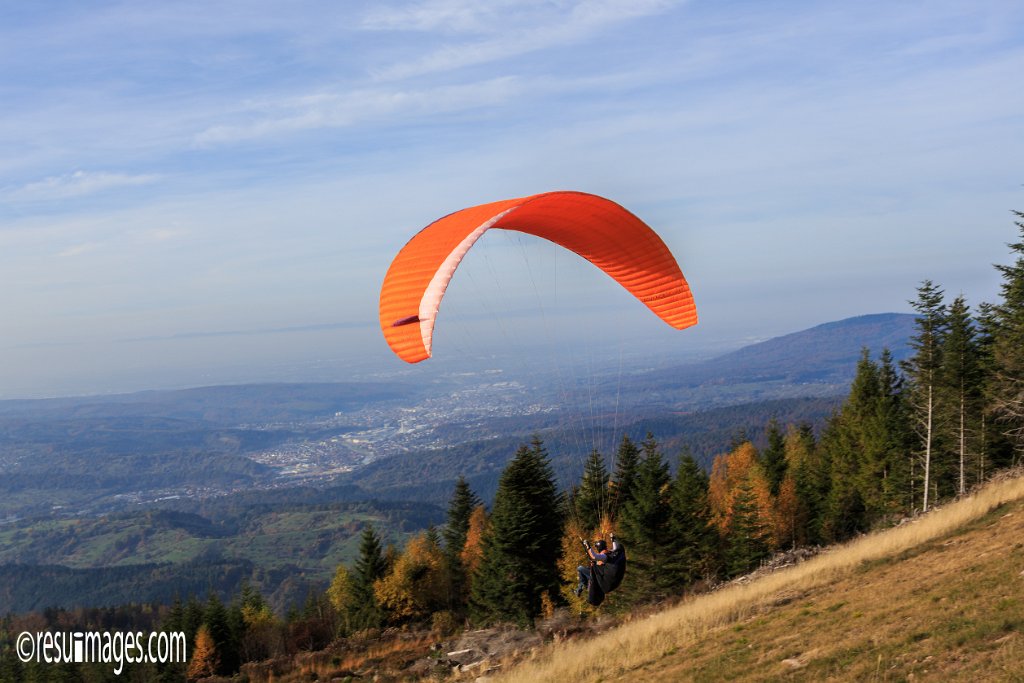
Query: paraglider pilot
point(600, 558)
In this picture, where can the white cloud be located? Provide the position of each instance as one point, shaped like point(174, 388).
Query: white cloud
point(338, 110)
point(512, 29)
point(76, 184)
point(160, 235)
point(77, 249)
point(442, 15)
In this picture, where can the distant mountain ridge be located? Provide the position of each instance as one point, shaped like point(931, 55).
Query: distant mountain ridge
point(825, 352)
point(818, 361)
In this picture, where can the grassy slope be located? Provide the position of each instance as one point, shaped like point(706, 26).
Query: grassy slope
point(938, 599)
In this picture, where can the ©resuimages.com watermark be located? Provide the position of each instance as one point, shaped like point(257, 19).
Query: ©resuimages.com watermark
point(106, 647)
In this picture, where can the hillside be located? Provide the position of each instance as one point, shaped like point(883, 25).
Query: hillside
point(940, 598)
point(818, 361)
point(285, 549)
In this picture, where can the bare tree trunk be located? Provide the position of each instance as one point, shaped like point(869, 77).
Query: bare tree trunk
point(984, 438)
point(963, 439)
point(913, 462)
point(928, 448)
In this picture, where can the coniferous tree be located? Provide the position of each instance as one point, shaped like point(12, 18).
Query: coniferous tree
point(923, 370)
point(522, 545)
point(865, 444)
point(862, 463)
point(370, 566)
point(460, 509)
point(591, 499)
point(895, 440)
point(193, 618)
point(745, 543)
point(843, 513)
point(175, 619)
point(803, 459)
point(995, 449)
point(236, 629)
point(873, 422)
point(693, 538)
point(961, 378)
point(644, 526)
point(1007, 330)
point(773, 459)
point(627, 459)
point(215, 619)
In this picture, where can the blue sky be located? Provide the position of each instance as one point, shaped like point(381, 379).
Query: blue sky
point(198, 192)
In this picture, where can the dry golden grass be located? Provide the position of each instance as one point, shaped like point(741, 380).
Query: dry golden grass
point(644, 641)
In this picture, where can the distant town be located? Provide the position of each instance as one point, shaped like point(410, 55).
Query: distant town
point(384, 430)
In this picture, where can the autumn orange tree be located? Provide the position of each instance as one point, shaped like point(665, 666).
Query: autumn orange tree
point(417, 584)
point(472, 550)
point(205, 659)
point(742, 507)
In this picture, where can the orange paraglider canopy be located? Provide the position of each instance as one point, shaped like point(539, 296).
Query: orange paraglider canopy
point(598, 229)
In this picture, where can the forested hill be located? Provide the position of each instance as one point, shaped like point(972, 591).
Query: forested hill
point(825, 354)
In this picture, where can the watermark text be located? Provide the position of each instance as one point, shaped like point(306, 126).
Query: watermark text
point(106, 647)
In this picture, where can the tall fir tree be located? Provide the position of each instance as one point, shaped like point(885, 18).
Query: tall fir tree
point(460, 509)
point(591, 499)
point(962, 382)
point(644, 527)
point(845, 438)
point(865, 444)
point(843, 511)
point(879, 432)
point(773, 459)
point(804, 466)
point(745, 542)
point(522, 544)
point(995, 449)
point(896, 440)
point(923, 370)
point(692, 552)
point(627, 459)
point(193, 617)
point(1007, 318)
point(370, 566)
point(216, 620)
